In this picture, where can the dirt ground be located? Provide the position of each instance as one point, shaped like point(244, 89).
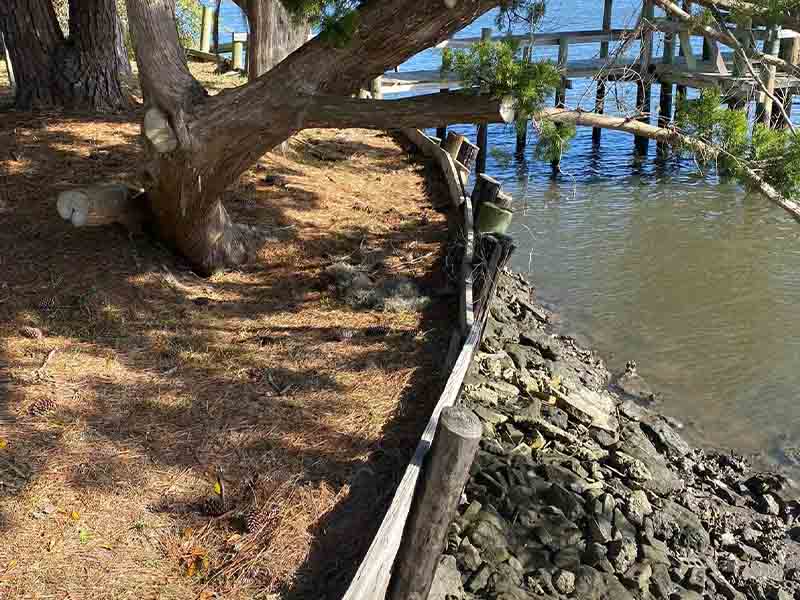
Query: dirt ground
point(148, 382)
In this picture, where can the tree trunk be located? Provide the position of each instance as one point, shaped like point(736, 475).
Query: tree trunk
point(273, 35)
point(80, 72)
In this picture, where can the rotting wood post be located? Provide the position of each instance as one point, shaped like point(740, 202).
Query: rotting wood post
point(600, 96)
point(376, 88)
point(522, 123)
point(790, 48)
point(486, 190)
point(665, 100)
point(237, 49)
point(559, 101)
point(452, 144)
point(483, 128)
point(467, 154)
point(206, 29)
point(444, 475)
point(764, 107)
point(441, 132)
point(644, 83)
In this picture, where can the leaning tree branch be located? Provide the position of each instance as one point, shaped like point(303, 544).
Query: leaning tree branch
point(725, 38)
point(429, 110)
point(759, 15)
point(672, 137)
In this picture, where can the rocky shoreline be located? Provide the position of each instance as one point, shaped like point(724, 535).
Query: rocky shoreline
point(578, 493)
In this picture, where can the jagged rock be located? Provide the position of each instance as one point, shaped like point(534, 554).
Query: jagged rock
point(481, 395)
point(504, 389)
point(595, 552)
point(528, 385)
point(555, 415)
point(695, 579)
point(677, 523)
point(446, 581)
point(759, 571)
point(655, 552)
point(596, 409)
point(622, 554)
point(479, 580)
point(638, 507)
point(523, 356)
point(665, 438)
point(661, 585)
point(638, 577)
point(546, 345)
point(490, 416)
point(530, 415)
point(636, 444)
point(682, 594)
point(534, 558)
point(469, 555)
point(522, 450)
point(769, 505)
point(630, 466)
point(569, 503)
point(564, 582)
point(591, 584)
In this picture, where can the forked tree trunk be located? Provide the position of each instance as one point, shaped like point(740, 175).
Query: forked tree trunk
point(199, 145)
point(79, 72)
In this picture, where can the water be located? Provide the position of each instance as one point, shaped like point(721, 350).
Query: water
point(643, 259)
point(694, 279)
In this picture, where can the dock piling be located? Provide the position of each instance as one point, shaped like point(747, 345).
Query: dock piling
point(206, 28)
point(600, 95)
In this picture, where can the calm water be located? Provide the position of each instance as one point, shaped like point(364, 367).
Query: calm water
point(697, 281)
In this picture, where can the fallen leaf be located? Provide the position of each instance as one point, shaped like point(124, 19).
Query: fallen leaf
point(217, 489)
point(11, 564)
point(51, 544)
point(3, 443)
point(188, 532)
point(83, 536)
point(75, 515)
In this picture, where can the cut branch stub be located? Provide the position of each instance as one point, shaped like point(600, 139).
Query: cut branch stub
point(158, 130)
point(103, 205)
point(508, 109)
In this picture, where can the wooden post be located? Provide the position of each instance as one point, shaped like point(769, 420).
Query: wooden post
point(522, 123)
point(561, 92)
point(376, 88)
point(452, 145)
point(600, 97)
point(237, 51)
point(467, 154)
point(743, 34)
point(644, 84)
point(445, 473)
point(206, 28)
point(790, 47)
point(486, 189)
point(483, 128)
point(764, 107)
point(9, 67)
point(441, 132)
point(665, 100)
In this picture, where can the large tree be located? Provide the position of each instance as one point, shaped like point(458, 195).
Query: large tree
point(79, 71)
point(199, 144)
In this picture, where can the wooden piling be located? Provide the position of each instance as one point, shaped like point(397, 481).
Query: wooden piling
point(644, 83)
point(764, 106)
point(467, 154)
point(483, 128)
point(600, 96)
point(744, 35)
point(790, 52)
point(206, 29)
point(441, 132)
point(445, 473)
point(561, 92)
point(522, 123)
point(237, 52)
point(452, 145)
point(376, 88)
point(665, 100)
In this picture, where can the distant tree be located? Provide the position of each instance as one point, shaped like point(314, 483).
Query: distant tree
point(79, 69)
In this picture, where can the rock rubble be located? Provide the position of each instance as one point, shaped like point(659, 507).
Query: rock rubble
point(576, 493)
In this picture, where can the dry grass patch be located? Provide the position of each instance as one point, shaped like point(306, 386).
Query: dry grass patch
point(147, 379)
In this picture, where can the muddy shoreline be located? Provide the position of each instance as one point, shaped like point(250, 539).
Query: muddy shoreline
point(579, 492)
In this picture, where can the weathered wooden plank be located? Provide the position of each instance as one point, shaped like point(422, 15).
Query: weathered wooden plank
point(548, 39)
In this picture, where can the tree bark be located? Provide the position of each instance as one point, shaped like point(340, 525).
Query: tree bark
point(79, 72)
point(274, 34)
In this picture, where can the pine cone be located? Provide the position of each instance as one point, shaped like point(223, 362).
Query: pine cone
point(212, 506)
point(33, 333)
point(255, 519)
point(42, 406)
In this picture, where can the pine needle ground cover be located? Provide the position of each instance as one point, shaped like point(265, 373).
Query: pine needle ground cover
point(167, 436)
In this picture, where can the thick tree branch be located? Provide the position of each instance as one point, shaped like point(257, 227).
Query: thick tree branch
point(759, 14)
point(431, 110)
